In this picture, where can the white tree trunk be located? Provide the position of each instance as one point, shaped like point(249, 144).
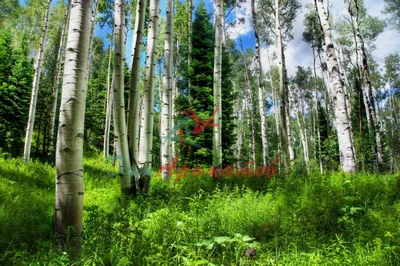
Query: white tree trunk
point(336, 85)
point(190, 45)
point(249, 106)
point(394, 128)
point(260, 74)
point(288, 125)
point(120, 130)
point(236, 130)
point(35, 87)
point(316, 113)
point(348, 99)
point(57, 77)
point(146, 130)
point(217, 130)
point(134, 94)
point(371, 102)
point(93, 19)
point(173, 95)
point(274, 102)
point(303, 133)
point(106, 143)
point(287, 151)
point(166, 108)
point(69, 154)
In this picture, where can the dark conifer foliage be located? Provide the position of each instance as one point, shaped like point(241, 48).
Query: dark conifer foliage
point(16, 72)
point(195, 148)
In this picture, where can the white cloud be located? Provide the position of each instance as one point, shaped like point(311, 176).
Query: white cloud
point(298, 52)
point(240, 29)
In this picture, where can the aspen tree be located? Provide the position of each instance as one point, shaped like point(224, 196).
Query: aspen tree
point(368, 94)
point(57, 76)
point(166, 109)
point(217, 130)
point(35, 86)
point(120, 131)
point(260, 89)
point(109, 101)
point(147, 123)
point(134, 93)
point(69, 152)
point(287, 151)
point(336, 87)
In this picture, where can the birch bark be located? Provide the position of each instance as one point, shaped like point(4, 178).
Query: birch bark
point(146, 130)
point(120, 131)
point(338, 97)
point(166, 109)
point(286, 146)
point(260, 89)
point(35, 86)
point(217, 130)
point(57, 77)
point(69, 153)
point(134, 93)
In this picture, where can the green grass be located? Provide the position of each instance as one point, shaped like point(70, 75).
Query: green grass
point(332, 219)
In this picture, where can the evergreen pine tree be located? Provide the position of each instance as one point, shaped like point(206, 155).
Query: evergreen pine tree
point(195, 148)
point(15, 80)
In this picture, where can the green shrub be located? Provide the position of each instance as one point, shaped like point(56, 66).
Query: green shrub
point(330, 219)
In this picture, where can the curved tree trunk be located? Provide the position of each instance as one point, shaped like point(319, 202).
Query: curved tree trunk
point(336, 85)
point(69, 154)
point(120, 132)
point(146, 130)
point(35, 87)
point(134, 93)
point(106, 143)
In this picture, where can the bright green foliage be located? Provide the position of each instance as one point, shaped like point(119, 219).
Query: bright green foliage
point(96, 97)
point(334, 219)
point(8, 9)
point(392, 109)
point(392, 67)
point(393, 7)
point(181, 23)
point(45, 93)
point(15, 83)
point(288, 12)
point(106, 16)
point(313, 34)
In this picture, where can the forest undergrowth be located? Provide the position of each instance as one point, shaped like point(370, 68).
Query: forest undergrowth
point(330, 219)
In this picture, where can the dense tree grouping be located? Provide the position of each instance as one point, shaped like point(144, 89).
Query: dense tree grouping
point(191, 95)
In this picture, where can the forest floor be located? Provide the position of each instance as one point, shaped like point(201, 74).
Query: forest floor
point(330, 219)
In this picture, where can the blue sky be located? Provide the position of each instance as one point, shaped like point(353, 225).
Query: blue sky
point(248, 39)
point(297, 52)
